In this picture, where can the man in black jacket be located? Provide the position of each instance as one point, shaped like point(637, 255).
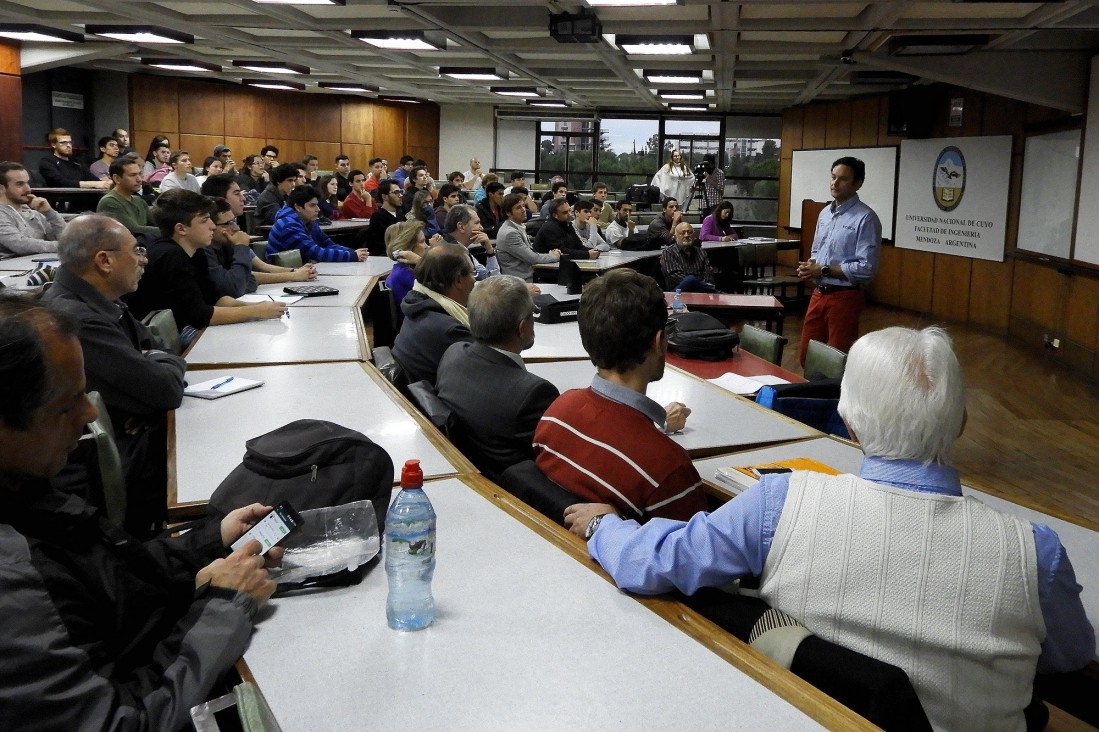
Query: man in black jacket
point(559, 233)
point(283, 180)
point(59, 170)
point(100, 631)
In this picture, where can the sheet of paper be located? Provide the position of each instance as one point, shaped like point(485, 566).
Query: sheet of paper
point(220, 386)
point(254, 298)
point(745, 385)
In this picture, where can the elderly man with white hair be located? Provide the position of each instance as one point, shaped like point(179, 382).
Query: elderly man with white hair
point(894, 563)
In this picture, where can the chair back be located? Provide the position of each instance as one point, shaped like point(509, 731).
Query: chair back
point(163, 325)
point(290, 258)
point(260, 248)
point(109, 463)
point(530, 485)
point(824, 362)
point(385, 313)
point(390, 368)
point(762, 343)
point(766, 257)
point(422, 395)
point(813, 403)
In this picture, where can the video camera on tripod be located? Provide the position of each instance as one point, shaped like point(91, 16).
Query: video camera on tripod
point(702, 170)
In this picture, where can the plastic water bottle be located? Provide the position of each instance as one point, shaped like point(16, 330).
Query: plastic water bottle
point(410, 553)
point(677, 302)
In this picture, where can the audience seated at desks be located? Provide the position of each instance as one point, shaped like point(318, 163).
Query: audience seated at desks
point(894, 563)
point(405, 244)
point(495, 401)
point(108, 153)
point(376, 175)
point(478, 194)
point(326, 188)
point(419, 181)
point(210, 166)
point(181, 175)
point(685, 265)
point(225, 155)
point(599, 193)
point(296, 227)
point(343, 176)
point(435, 313)
point(663, 226)
point(449, 197)
point(587, 228)
point(254, 175)
point(609, 442)
point(312, 169)
point(359, 203)
point(157, 162)
point(559, 233)
point(385, 215)
point(474, 178)
point(28, 224)
point(100, 630)
point(559, 191)
point(59, 170)
point(718, 226)
point(404, 168)
point(463, 226)
point(423, 212)
point(270, 155)
point(517, 179)
point(514, 249)
point(178, 280)
point(491, 210)
point(622, 225)
point(124, 203)
point(138, 377)
point(284, 179)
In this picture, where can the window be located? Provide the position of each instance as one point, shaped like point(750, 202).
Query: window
point(565, 149)
point(628, 152)
point(751, 158)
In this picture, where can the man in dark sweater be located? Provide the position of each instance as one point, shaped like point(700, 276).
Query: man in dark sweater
point(384, 216)
point(559, 233)
point(59, 170)
point(283, 180)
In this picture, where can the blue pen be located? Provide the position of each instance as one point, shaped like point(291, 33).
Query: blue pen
point(220, 384)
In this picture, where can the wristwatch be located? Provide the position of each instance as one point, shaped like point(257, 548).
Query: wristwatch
point(592, 526)
point(826, 271)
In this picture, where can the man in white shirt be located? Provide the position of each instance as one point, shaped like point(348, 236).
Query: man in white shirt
point(621, 225)
point(28, 225)
point(181, 176)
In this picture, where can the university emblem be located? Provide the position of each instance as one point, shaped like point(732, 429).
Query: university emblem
point(949, 178)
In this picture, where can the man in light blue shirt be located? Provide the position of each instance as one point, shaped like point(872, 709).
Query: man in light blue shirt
point(843, 260)
point(895, 563)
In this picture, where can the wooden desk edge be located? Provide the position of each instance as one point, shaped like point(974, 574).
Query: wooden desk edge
point(799, 693)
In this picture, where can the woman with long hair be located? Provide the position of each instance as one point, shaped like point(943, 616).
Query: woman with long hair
point(718, 226)
point(327, 187)
point(405, 245)
point(423, 212)
point(675, 179)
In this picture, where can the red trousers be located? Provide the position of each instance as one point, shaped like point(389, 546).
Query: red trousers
point(832, 319)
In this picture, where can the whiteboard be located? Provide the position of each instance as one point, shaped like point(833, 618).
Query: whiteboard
point(1087, 215)
point(1047, 204)
point(810, 178)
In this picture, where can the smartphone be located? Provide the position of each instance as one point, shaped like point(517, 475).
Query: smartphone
point(272, 528)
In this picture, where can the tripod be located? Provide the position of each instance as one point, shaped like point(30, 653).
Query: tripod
point(696, 196)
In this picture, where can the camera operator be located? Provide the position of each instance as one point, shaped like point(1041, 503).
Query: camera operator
point(709, 179)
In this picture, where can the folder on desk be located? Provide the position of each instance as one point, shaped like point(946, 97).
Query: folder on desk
point(740, 477)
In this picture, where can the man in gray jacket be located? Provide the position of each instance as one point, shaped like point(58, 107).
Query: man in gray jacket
point(28, 225)
point(139, 379)
point(514, 250)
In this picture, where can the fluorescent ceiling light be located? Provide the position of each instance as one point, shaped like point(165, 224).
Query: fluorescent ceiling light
point(302, 2)
point(473, 73)
point(629, 3)
point(685, 95)
point(517, 91)
point(272, 67)
point(547, 103)
point(655, 45)
point(400, 99)
point(346, 87)
point(273, 84)
point(688, 108)
point(38, 33)
point(397, 40)
point(139, 34)
point(673, 77)
point(178, 64)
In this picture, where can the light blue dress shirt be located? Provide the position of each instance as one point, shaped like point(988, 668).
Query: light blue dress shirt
point(849, 235)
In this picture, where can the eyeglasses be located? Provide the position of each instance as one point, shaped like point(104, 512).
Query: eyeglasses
point(230, 225)
point(137, 251)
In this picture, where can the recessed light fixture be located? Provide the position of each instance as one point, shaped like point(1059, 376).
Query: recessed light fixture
point(689, 107)
point(139, 33)
point(400, 99)
point(672, 77)
point(302, 2)
point(547, 103)
point(937, 45)
point(397, 40)
point(38, 33)
point(346, 87)
point(473, 73)
point(630, 3)
point(517, 91)
point(655, 45)
point(682, 95)
point(274, 84)
point(178, 64)
point(272, 67)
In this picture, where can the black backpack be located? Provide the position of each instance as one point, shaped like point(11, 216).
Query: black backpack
point(312, 464)
point(701, 336)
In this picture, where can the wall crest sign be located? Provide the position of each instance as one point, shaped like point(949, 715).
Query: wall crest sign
point(948, 181)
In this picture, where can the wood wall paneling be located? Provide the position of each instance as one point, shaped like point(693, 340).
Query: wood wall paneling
point(1038, 294)
point(815, 127)
point(290, 151)
point(361, 154)
point(286, 118)
point(838, 133)
point(357, 125)
point(200, 146)
point(201, 109)
point(950, 288)
point(389, 128)
point(154, 105)
point(972, 115)
point(864, 122)
point(917, 274)
point(244, 113)
point(326, 153)
point(784, 171)
point(1082, 312)
point(242, 147)
point(430, 156)
point(884, 138)
point(885, 289)
point(11, 117)
point(793, 121)
point(421, 130)
point(990, 294)
point(10, 56)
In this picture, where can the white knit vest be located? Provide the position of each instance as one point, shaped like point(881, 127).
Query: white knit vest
point(943, 587)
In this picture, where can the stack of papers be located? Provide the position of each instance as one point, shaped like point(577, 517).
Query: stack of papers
point(745, 476)
point(221, 386)
point(746, 385)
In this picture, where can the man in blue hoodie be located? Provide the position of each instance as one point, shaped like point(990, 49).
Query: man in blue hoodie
point(296, 227)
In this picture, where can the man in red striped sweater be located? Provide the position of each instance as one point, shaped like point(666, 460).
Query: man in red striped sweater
point(608, 443)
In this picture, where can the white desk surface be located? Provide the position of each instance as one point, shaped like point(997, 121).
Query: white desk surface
point(718, 418)
point(351, 291)
point(1080, 542)
point(210, 434)
point(525, 638)
point(307, 335)
point(24, 263)
point(375, 266)
point(606, 261)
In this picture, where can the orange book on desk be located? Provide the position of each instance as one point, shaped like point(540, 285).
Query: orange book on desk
point(740, 477)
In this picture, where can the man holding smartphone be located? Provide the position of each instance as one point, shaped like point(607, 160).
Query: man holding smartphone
point(101, 631)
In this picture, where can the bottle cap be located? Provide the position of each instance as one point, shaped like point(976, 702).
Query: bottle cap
point(411, 475)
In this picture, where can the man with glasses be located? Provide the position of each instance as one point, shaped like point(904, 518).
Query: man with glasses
point(270, 155)
point(28, 225)
point(59, 170)
point(124, 203)
point(139, 379)
point(254, 176)
point(384, 216)
point(496, 401)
